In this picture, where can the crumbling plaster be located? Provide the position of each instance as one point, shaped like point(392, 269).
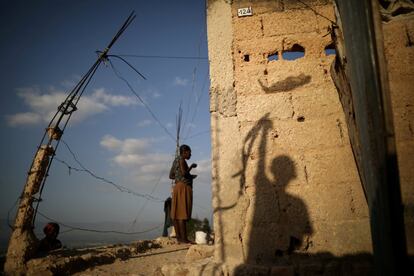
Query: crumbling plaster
point(282, 161)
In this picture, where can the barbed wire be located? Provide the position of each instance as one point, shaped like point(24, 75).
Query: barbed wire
point(86, 170)
point(148, 197)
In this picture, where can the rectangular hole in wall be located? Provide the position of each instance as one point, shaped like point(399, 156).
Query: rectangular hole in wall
point(330, 50)
point(294, 53)
point(273, 57)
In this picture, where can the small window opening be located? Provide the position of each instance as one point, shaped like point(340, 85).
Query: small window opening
point(273, 57)
point(295, 52)
point(330, 50)
point(265, 72)
point(246, 58)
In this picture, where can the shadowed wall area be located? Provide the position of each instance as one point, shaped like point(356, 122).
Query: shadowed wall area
point(286, 190)
point(279, 221)
point(287, 84)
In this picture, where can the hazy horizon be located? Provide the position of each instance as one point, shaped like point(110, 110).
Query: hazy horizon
point(77, 238)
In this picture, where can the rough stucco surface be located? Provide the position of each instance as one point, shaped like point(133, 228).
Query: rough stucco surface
point(399, 54)
point(284, 177)
point(224, 124)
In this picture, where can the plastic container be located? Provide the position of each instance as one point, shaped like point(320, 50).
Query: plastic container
point(200, 237)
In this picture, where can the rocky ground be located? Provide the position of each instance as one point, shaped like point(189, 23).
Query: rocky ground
point(162, 256)
point(147, 263)
point(165, 257)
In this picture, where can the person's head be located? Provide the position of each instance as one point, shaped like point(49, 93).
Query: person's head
point(51, 230)
point(185, 151)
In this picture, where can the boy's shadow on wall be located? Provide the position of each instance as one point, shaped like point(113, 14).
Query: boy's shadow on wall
point(277, 221)
point(277, 227)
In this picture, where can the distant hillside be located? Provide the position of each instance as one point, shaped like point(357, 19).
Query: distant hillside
point(77, 238)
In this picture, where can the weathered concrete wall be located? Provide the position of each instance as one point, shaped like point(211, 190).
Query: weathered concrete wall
point(399, 53)
point(284, 177)
point(396, 39)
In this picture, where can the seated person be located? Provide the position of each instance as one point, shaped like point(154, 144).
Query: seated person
point(50, 241)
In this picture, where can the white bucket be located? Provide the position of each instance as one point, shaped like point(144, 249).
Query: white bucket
point(200, 237)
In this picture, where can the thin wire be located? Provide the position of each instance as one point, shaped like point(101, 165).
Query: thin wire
point(133, 68)
point(127, 22)
point(317, 13)
point(142, 101)
point(98, 231)
point(69, 103)
point(117, 186)
point(193, 83)
point(197, 134)
point(145, 203)
point(86, 79)
point(162, 57)
point(179, 119)
point(197, 105)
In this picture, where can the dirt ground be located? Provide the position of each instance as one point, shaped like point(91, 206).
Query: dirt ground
point(144, 257)
point(143, 264)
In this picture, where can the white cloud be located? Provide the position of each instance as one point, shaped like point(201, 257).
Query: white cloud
point(204, 166)
point(38, 101)
point(150, 92)
point(113, 100)
point(136, 156)
point(71, 82)
point(135, 145)
point(145, 123)
point(127, 146)
point(43, 105)
point(203, 171)
point(111, 143)
point(129, 160)
point(156, 95)
point(180, 81)
point(88, 107)
point(28, 118)
point(142, 167)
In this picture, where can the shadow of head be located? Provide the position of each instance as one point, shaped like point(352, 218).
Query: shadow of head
point(283, 169)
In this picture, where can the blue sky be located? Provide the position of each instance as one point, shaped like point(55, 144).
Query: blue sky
point(47, 46)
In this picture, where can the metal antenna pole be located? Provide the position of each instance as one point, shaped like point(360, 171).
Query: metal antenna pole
point(23, 243)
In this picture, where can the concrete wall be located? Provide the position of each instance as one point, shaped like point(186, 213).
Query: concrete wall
point(399, 53)
point(284, 177)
